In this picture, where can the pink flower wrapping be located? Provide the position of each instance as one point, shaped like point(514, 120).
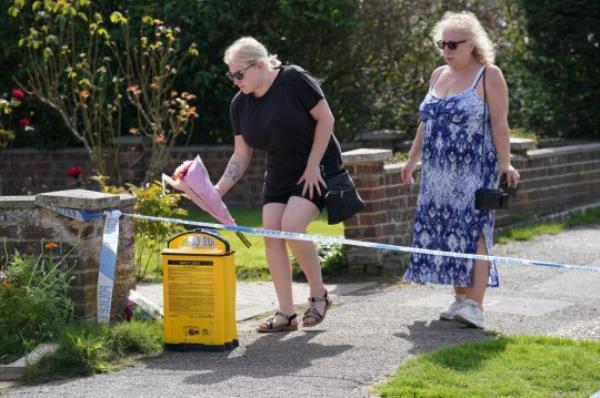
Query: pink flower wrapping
point(192, 178)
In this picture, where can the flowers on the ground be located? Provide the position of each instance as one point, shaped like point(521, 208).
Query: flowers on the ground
point(74, 171)
point(51, 246)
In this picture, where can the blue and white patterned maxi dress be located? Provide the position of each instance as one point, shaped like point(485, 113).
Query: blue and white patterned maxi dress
point(451, 172)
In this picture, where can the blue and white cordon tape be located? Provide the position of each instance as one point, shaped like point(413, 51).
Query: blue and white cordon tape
point(110, 240)
point(373, 245)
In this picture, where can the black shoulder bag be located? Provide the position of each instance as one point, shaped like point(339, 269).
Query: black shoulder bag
point(342, 198)
point(490, 198)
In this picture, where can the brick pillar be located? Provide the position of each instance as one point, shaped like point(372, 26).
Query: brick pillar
point(385, 219)
point(25, 223)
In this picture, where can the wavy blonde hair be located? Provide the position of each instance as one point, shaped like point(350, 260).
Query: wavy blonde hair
point(467, 23)
point(247, 50)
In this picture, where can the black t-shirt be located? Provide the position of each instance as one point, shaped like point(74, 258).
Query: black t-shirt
point(280, 123)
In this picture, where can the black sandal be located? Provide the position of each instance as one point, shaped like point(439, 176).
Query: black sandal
point(311, 311)
point(271, 328)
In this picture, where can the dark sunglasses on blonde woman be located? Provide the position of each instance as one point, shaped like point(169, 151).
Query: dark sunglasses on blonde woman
point(239, 74)
point(451, 44)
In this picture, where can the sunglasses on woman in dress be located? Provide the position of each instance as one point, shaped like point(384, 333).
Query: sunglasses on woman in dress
point(451, 44)
point(239, 74)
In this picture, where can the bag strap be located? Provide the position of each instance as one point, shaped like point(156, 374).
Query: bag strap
point(484, 118)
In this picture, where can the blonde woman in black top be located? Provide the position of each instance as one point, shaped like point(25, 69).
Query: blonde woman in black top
point(283, 111)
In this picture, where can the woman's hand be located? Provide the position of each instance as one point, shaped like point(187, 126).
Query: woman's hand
point(512, 175)
point(218, 189)
point(407, 172)
point(312, 180)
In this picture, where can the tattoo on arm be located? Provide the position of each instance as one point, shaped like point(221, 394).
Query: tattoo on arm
point(233, 170)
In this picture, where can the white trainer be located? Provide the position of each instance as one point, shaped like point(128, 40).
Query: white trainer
point(470, 314)
point(448, 315)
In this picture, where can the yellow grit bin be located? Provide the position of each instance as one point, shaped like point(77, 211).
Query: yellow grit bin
point(199, 293)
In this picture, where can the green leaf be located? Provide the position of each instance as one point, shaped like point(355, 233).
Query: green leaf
point(83, 16)
point(13, 12)
point(36, 5)
point(52, 39)
point(48, 53)
point(85, 83)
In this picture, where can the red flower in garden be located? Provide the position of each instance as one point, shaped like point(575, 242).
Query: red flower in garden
point(18, 94)
point(24, 122)
point(74, 171)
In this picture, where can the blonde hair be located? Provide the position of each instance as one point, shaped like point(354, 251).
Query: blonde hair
point(247, 50)
point(467, 23)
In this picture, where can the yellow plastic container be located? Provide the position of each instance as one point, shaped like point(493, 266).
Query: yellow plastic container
point(199, 293)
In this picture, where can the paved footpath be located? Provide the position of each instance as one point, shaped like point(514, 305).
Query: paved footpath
point(367, 334)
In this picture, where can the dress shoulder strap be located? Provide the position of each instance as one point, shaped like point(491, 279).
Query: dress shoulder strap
point(437, 77)
point(478, 77)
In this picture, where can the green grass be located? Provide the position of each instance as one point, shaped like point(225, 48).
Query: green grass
point(89, 348)
point(250, 262)
point(526, 233)
point(519, 366)
point(588, 217)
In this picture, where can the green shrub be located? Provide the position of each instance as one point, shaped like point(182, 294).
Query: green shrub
point(34, 305)
point(563, 40)
point(150, 236)
point(81, 352)
point(333, 261)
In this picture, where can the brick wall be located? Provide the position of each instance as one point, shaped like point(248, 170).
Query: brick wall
point(25, 224)
point(28, 171)
point(552, 180)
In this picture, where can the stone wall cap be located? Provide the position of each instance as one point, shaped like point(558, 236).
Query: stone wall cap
point(17, 202)
point(563, 150)
point(127, 199)
point(79, 199)
point(521, 144)
point(385, 134)
point(393, 167)
point(366, 155)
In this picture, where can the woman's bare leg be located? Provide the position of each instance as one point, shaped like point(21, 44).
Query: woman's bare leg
point(278, 260)
point(300, 212)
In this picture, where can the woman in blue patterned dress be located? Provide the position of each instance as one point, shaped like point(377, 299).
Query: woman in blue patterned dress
point(460, 152)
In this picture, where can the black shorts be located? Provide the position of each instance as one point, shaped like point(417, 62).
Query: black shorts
point(319, 201)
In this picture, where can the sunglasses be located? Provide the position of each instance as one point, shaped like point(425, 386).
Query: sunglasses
point(239, 74)
point(451, 44)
